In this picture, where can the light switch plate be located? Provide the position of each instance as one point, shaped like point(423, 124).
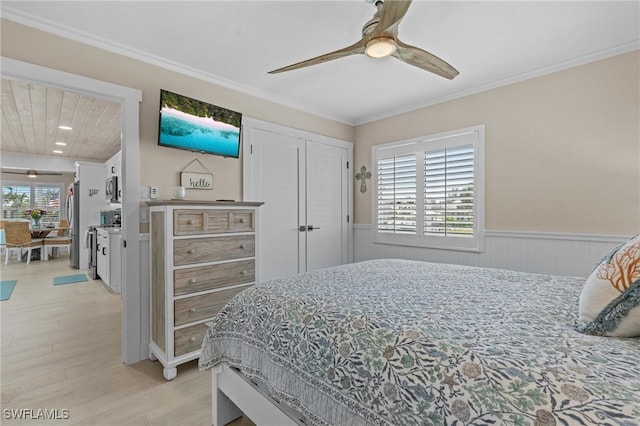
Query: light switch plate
point(144, 193)
point(153, 193)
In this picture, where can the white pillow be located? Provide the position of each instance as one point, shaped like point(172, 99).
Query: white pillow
point(610, 300)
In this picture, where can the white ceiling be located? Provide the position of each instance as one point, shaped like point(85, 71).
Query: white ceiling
point(235, 43)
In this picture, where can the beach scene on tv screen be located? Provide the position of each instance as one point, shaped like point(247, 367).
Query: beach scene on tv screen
point(198, 126)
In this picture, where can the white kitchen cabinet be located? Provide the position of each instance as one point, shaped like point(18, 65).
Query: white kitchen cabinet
point(114, 165)
point(115, 260)
point(109, 261)
point(103, 256)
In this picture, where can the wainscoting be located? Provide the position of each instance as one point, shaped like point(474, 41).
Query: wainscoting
point(144, 295)
point(543, 253)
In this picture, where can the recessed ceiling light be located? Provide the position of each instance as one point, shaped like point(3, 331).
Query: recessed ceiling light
point(64, 128)
point(61, 143)
point(57, 151)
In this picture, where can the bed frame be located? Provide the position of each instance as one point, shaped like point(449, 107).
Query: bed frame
point(234, 395)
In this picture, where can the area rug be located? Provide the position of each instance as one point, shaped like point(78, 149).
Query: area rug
point(6, 289)
point(69, 279)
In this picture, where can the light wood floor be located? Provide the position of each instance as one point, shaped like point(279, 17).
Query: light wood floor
point(61, 350)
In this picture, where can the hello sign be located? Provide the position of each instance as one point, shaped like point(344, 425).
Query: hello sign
point(196, 180)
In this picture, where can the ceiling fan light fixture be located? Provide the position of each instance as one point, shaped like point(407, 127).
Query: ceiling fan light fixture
point(32, 174)
point(380, 47)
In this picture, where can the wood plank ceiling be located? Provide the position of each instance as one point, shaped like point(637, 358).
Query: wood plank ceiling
point(31, 115)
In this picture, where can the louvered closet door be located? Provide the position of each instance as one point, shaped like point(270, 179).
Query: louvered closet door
point(278, 180)
point(302, 183)
point(326, 206)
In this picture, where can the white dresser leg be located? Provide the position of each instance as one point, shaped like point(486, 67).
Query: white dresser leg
point(170, 373)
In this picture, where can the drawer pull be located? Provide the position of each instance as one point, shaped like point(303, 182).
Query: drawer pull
point(242, 246)
point(193, 339)
point(192, 281)
point(190, 222)
point(243, 220)
point(191, 251)
point(243, 273)
point(194, 310)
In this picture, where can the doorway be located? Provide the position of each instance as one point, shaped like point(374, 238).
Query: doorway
point(132, 342)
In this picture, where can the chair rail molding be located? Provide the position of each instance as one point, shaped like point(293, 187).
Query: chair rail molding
point(566, 254)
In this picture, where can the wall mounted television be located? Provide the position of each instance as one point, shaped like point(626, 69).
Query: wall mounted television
point(198, 126)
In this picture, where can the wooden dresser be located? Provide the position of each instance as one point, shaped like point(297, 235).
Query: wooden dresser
point(202, 254)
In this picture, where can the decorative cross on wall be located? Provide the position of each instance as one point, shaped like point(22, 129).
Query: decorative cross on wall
point(362, 177)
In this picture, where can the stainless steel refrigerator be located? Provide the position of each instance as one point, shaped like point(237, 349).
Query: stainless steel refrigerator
point(73, 216)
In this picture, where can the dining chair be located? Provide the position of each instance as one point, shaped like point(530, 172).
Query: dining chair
point(2, 238)
point(61, 240)
point(18, 237)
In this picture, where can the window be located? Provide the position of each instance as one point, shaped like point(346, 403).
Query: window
point(19, 197)
point(429, 191)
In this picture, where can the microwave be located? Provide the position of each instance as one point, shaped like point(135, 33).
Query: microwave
point(112, 192)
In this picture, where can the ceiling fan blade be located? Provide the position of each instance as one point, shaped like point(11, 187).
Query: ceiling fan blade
point(35, 172)
point(422, 59)
point(391, 14)
point(354, 49)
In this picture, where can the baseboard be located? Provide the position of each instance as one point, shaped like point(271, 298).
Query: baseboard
point(564, 254)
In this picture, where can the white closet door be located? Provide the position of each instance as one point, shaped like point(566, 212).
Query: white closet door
point(278, 175)
point(327, 206)
point(303, 180)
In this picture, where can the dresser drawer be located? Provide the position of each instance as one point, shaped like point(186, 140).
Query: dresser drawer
point(203, 306)
point(213, 221)
point(188, 339)
point(198, 250)
point(214, 276)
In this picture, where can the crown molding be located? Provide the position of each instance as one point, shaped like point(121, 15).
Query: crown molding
point(104, 44)
point(89, 39)
point(561, 66)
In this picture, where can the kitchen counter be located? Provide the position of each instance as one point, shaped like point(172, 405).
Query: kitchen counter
point(111, 229)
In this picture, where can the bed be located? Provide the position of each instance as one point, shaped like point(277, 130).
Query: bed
point(398, 342)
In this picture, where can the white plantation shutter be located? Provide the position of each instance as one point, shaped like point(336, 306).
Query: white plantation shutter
point(448, 191)
point(19, 197)
point(47, 198)
point(429, 191)
point(15, 200)
point(397, 194)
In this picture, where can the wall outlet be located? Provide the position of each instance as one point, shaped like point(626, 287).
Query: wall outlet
point(153, 193)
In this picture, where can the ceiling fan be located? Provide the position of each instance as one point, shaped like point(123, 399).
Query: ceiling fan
point(380, 39)
point(30, 173)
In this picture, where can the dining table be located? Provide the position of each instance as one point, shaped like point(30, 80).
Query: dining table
point(44, 231)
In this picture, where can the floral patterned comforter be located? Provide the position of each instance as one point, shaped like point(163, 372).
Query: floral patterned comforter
point(397, 342)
